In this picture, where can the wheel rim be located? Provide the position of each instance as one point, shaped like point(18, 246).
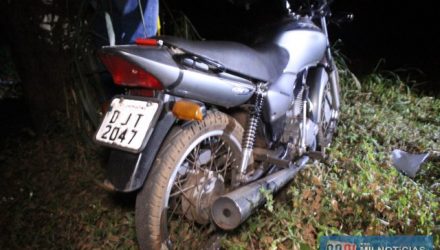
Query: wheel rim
point(205, 171)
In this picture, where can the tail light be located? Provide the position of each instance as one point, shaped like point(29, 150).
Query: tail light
point(127, 74)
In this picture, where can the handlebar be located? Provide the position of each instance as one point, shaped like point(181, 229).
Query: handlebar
point(325, 6)
point(323, 10)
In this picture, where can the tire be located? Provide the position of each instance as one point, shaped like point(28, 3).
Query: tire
point(174, 197)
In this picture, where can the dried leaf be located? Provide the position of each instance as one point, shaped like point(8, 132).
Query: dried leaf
point(267, 240)
point(316, 181)
point(335, 206)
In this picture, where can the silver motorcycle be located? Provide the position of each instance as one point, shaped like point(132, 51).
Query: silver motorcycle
point(206, 125)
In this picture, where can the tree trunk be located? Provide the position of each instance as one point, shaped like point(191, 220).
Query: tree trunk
point(32, 29)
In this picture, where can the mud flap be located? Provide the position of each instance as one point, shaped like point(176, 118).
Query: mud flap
point(126, 171)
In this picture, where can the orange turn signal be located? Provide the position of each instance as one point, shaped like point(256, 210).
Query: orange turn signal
point(188, 111)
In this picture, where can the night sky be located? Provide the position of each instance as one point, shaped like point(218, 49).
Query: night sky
point(403, 33)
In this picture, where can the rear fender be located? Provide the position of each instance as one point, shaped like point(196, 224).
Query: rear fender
point(127, 171)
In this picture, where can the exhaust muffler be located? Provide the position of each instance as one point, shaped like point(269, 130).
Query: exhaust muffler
point(230, 210)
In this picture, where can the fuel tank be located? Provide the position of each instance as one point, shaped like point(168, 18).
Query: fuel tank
point(304, 41)
point(306, 45)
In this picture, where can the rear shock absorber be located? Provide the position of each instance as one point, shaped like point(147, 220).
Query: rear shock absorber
point(251, 131)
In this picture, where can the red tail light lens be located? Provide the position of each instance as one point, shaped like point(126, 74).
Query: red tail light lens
point(127, 74)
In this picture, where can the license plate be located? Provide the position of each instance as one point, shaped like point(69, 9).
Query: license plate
point(128, 124)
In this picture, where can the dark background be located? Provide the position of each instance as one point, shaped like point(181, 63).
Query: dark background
point(402, 35)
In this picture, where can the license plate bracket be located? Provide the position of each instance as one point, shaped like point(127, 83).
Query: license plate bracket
point(129, 123)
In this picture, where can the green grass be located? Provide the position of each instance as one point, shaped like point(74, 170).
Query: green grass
point(50, 196)
point(357, 191)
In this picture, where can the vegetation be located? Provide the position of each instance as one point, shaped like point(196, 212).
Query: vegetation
point(51, 195)
point(357, 191)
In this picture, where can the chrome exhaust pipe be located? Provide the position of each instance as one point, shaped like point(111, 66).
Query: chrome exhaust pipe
point(230, 210)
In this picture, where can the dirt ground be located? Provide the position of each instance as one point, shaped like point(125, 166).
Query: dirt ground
point(50, 190)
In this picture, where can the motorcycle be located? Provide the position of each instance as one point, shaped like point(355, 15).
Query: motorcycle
point(206, 125)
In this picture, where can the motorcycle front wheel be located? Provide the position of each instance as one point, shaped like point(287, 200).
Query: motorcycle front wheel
point(196, 164)
point(328, 114)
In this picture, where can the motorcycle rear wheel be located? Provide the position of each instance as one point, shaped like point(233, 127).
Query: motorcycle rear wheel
point(195, 164)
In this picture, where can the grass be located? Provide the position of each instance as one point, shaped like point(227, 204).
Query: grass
point(357, 191)
point(50, 196)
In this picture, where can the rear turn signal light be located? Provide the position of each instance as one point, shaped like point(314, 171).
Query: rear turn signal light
point(127, 74)
point(188, 111)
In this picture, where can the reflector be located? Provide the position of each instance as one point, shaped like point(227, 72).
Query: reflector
point(141, 92)
point(146, 41)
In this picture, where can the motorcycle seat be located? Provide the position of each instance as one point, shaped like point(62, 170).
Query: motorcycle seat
point(264, 62)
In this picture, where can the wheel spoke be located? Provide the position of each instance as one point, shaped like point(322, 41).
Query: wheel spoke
point(184, 204)
point(183, 190)
point(195, 156)
point(174, 210)
point(222, 144)
point(184, 196)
